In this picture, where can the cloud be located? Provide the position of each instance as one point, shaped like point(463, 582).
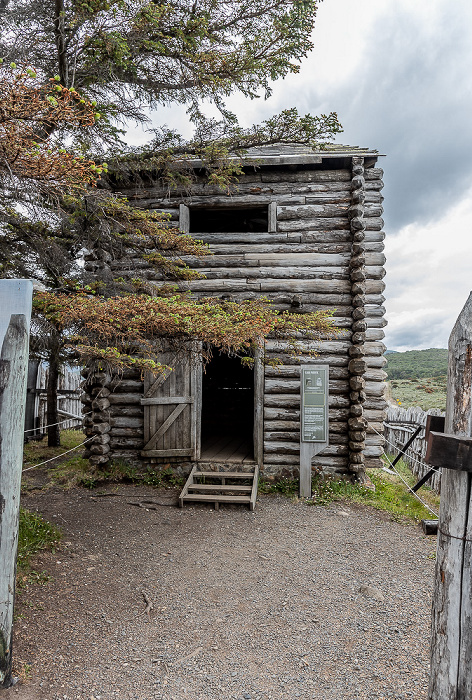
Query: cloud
point(428, 278)
point(398, 74)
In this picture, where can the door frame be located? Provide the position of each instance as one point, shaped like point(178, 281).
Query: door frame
point(258, 430)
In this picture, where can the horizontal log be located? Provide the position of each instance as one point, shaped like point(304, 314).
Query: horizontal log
point(328, 286)
point(244, 238)
point(374, 348)
point(328, 463)
point(127, 399)
point(373, 286)
point(293, 437)
point(375, 403)
point(283, 187)
point(376, 362)
point(335, 414)
point(311, 237)
point(373, 174)
point(375, 311)
point(375, 259)
point(375, 375)
point(128, 432)
point(293, 448)
point(373, 223)
point(372, 209)
point(128, 422)
point(374, 236)
point(375, 440)
point(315, 224)
point(373, 463)
point(312, 211)
point(297, 360)
point(374, 334)
point(292, 386)
point(128, 443)
point(273, 426)
point(274, 273)
point(376, 322)
point(124, 386)
point(285, 258)
point(374, 247)
point(375, 415)
point(322, 347)
point(293, 401)
point(240, 200)
point(325, 247)
point(321, 300)
point(307, 176)
point(373, 451)
point(320, 286)
point(293, 372)
point(124, 410)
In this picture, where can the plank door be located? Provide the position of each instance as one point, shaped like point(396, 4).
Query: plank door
point(172, 410)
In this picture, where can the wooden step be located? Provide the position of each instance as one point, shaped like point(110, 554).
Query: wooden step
point(220, 497)
point(223, 492)
point(220, 487)
point(226, 475)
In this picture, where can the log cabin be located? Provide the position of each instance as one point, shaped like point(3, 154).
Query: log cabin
point(304, 229)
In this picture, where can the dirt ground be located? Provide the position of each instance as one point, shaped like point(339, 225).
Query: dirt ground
point(290, 601)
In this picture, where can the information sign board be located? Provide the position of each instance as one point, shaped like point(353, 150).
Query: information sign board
point(314, 403)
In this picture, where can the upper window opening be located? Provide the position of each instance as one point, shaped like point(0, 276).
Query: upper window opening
point(222, 220)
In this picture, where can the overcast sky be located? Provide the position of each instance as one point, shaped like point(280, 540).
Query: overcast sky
point(399, 74)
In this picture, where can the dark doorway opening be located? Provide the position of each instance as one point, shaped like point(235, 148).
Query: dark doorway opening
point(227, 411)
point(226, 220)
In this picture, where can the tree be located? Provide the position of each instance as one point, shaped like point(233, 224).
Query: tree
point(122, 57)
point(130, 55)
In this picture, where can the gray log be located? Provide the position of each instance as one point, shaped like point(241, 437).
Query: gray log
point(335, 414)
point(327, 247)
point(317, 224)
point(310, 211)
point(451, 650)
point(293, 400)
point(15, 313)
point(307, 176)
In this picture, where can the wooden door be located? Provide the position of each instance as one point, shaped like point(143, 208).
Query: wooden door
point(172, 410)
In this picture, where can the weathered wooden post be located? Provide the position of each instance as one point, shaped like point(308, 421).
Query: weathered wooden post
point(314, 380)
point(15, 314)
point(451, 650)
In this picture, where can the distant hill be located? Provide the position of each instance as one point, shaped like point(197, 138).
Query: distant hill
point(415, 364)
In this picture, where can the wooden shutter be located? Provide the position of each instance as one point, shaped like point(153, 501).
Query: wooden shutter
point(172, 410)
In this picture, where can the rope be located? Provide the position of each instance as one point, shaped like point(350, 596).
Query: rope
point(58, 456)
point(413, 459)
point(43, 427)
point(411, 490)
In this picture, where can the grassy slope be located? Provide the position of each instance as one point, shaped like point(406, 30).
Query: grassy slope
point(418, 378)
point(415, 364)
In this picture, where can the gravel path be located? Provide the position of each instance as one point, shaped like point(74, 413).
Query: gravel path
point(291, 601)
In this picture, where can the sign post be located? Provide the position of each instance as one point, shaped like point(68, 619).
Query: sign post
point(15, 314)
point(314, 420)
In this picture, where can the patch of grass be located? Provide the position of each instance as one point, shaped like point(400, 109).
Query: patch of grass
point(427, 392)
point(38, 451)
point(35, 534)
point(74, 470)
point(390, 495)
point(288, 487)
point(162, 478)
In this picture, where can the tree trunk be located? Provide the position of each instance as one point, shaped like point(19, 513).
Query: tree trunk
point(54, 434)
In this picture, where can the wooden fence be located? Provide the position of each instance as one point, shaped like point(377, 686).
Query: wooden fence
point(68, 402)
point(399, 428)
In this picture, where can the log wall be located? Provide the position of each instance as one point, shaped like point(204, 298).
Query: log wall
point(325, 252)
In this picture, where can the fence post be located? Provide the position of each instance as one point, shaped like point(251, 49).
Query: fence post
point(451, 646)
point(15, 314)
